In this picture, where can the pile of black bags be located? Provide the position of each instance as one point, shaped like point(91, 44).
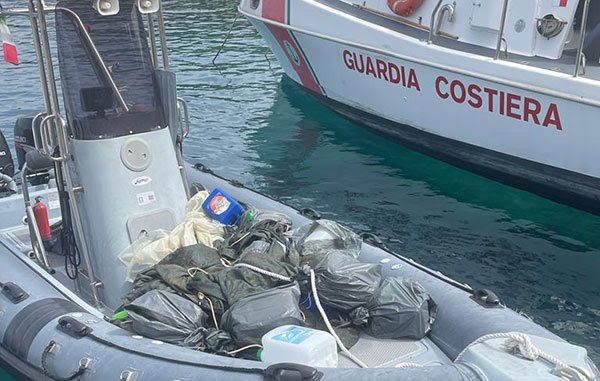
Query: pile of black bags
point(221, 300)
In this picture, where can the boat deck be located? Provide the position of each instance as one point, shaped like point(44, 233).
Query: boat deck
point(376, 353)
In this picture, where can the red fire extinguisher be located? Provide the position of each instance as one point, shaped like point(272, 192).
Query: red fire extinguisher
point(40, 210)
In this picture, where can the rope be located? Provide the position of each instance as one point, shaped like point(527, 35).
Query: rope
point(280, 277)
point(313, 285)
point(44, 360)
point(404, 365)
point(201, 296)
point(244, 348)
point(518, 342)
point(225, 262)
point(192, 271)
point(226, 38)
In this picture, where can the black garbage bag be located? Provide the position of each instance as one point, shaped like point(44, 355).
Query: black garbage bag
point(234, 283)
point(254, 226)
point(177, 268)
point(400, 308)
point(217, 341)
point(144, 282)
point(174, 273)
point(314, 241)
point(167, 317)
point(345, 283)
point(250, 318)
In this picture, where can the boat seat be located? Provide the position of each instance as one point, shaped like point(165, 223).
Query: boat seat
point(37, 162)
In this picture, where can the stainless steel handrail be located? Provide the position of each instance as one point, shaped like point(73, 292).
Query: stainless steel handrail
point(437, 17)
point(163, 38)
point(501, 31)
point(37, 11)
point(580, 55)
point(152, 40)
point(37, 138)
point(48, 142)
point(184, 120)
point(41, 11)
point(432, 21)
point(49, 139)
point(97, 56)
point(446, 9)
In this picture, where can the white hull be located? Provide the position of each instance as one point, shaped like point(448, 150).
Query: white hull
point(463, 97)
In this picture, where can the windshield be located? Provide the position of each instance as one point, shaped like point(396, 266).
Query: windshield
point(94, 109)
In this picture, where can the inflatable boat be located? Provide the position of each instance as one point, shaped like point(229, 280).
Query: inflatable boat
point(109, 170)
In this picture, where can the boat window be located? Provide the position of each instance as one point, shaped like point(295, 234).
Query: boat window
point(95, 110)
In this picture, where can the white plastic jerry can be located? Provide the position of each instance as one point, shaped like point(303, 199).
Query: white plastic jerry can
point(301, 345)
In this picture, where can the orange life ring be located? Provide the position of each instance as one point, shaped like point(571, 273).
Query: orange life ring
point(404, 7)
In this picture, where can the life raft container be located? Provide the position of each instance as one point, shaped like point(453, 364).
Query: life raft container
point(404, 7)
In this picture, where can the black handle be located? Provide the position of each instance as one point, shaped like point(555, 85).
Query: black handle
point(292, 372)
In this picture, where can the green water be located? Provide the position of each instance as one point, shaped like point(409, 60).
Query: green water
point(252, 124)
point(5, 376)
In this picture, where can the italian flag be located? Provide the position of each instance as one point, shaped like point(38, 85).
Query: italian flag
point(9, 48)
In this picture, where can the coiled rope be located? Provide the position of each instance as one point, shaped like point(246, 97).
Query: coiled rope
point(518, 342)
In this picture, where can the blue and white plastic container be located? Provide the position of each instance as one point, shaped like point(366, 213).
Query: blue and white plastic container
point(222, 207)
point(301, 345)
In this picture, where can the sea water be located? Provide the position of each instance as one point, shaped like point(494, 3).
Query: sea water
point(251, 124)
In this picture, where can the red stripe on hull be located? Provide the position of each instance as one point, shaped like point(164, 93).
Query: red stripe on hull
point(298, 62)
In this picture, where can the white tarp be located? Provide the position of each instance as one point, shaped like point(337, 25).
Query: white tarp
point(196, 227)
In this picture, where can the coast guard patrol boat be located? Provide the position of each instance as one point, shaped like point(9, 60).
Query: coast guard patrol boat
point(507, 88)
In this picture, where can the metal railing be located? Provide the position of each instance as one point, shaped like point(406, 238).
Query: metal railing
point(501, 31)
point(437, 17)
point(580, 55)
point(440, 10)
